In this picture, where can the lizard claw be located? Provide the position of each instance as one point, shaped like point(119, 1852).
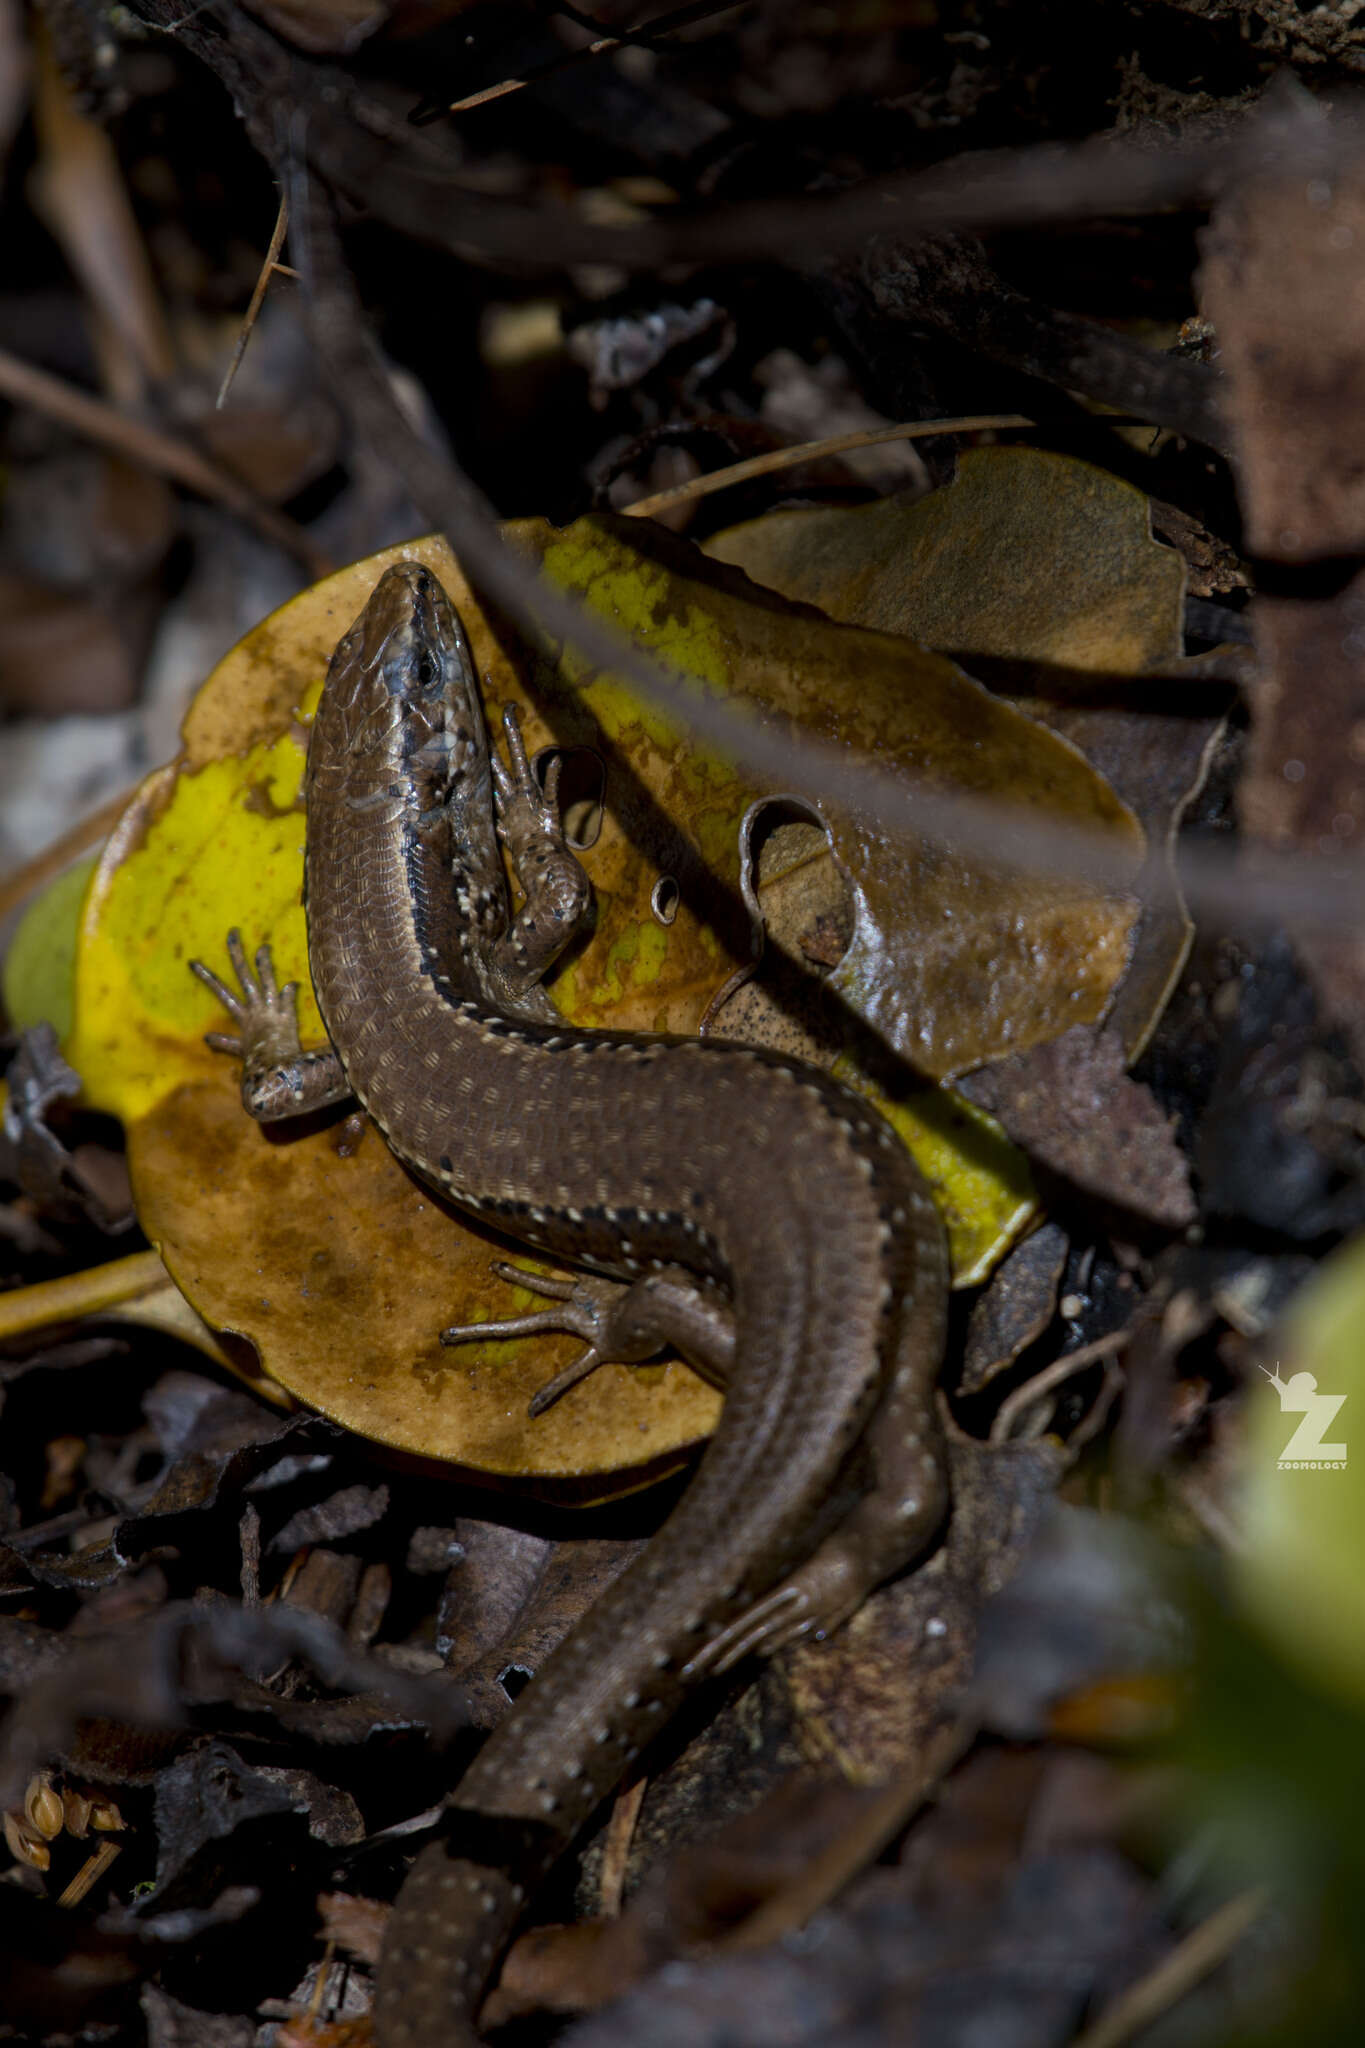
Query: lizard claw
point(569, 1376)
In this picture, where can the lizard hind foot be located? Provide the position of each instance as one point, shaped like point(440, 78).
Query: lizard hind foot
point(583, 1308)
point(815, 1600)
point(620, 1322)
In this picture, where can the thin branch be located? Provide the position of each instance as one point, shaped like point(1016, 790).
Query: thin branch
point(90, 1873)
point(649, 38)
point(1055, 1375)
point(359, 138)
point(1200, 1953)
point(268, 268)
point(816, 451)
point(109, 428)
point(617, 1837)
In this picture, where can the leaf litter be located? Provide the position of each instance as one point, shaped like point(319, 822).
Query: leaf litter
point(207, 1610)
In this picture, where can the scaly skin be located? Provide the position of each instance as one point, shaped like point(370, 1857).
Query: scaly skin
point(694, 1172)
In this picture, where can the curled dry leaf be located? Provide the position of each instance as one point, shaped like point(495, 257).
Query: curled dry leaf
point(1041, 576)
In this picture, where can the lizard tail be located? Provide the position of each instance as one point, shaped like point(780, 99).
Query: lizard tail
point(454, 1922)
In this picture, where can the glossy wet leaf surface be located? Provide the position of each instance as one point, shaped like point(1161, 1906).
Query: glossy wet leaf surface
point(952, 962)
point(1040, 574)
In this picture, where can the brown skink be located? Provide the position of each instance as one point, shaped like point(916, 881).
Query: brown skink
point(754, 1214)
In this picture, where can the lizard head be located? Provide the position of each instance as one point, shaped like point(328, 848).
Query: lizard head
point(405, 661)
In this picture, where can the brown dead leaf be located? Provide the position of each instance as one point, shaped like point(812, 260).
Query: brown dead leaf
point(571, 1576)
point(1014, 1308)
point(1074, 1109)
point(696, 1897)
point(571, 1968)
point(355, 1924)
point(489, 1583)
point(1040, 575)
point(1026, 556)
point(290, 1243)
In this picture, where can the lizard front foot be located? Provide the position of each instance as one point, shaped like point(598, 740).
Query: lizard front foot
point(266, 1015)
point(558, 894)
point(279, 1079)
